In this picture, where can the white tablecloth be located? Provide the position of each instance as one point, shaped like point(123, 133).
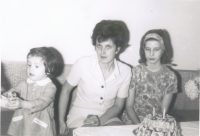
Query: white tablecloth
point(186, 128)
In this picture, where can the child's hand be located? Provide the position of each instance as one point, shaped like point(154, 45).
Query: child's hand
point(14, 104)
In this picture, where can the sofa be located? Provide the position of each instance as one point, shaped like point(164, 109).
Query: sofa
point(182, 108)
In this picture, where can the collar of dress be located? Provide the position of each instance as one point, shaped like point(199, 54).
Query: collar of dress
point(40, 83)
point(96, 67)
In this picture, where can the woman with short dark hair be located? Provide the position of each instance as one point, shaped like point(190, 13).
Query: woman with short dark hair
point(102, 81)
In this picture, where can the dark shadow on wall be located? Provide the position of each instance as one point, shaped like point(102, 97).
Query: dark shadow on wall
point(5, 85)
point(167, 41)
point(126, 44)
point(58, 72)
point(60, 62)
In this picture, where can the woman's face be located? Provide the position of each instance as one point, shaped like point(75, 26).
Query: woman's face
point(106, 51)
point(36, 68)
point(153, 52)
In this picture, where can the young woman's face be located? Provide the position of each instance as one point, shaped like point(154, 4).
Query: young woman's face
point(36, 68)
point(106, 51)
point(153, 52)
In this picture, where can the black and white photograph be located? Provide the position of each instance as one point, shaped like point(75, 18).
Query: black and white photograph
point(100, 67)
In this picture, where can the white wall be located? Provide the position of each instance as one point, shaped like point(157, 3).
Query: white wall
point(67, 26)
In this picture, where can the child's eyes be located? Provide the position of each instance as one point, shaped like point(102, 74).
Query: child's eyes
point(35, 66)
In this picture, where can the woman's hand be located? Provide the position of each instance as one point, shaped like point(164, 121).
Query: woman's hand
point(92, 120)
point(64, 130)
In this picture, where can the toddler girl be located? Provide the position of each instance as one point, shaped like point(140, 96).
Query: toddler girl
point(153, 83)
point(34, 111)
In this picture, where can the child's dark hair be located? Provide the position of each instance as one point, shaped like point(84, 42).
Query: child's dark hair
point(109, 29)
point(48, 57)
point(166, 57)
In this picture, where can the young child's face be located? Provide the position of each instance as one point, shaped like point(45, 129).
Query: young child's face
point(153, 52)
point(36, 68)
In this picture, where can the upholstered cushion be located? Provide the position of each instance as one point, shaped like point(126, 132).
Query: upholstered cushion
point(13, 72)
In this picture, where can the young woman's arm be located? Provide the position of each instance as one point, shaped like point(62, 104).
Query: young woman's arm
point(170, 90)
point(129, 107)
point(166, 102)
point(63, 102)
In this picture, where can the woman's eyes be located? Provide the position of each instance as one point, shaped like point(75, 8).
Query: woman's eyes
point(157, 49)
point(147, 49)
point(108, 47)
point(98, 46)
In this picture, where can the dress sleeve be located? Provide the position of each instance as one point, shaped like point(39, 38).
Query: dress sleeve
point(123, 90)
point(47, 97)
point(75, 73)
point(133, 79)
point(172, 87)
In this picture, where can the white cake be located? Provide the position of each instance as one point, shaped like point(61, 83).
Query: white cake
point(157, 126)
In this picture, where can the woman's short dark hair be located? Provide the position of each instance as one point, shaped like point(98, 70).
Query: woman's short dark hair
point(109, 29)
point(166, 57)
point(48, 57)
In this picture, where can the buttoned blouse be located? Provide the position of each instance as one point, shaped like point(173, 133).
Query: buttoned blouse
point(93, 92)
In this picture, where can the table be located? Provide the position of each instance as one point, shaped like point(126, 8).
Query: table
point(186, 128)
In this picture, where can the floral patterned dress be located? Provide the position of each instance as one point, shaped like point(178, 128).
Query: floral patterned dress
point(150, 88)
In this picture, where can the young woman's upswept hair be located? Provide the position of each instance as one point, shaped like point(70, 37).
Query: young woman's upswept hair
point(166, 57)
point(48, 57)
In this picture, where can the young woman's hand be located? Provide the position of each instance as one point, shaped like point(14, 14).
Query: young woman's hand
point(92, 120)
point(64, 130)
